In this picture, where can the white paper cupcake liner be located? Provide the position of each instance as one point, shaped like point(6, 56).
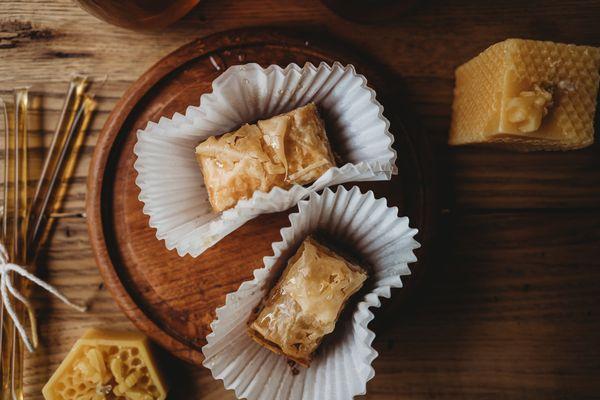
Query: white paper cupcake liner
point(342, 366)
point(171, 183)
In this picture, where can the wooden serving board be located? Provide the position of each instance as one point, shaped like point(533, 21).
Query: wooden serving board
point(171, 298)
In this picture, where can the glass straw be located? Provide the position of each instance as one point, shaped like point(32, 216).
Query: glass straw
point(24, 230)
point(66, 160)
point(14, 232)
point(54, 159)
point(21, 228)
point(7, 208)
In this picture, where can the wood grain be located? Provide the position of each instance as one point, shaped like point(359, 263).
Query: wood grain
point(501, 319)
point(153, 286)
point(506, 313)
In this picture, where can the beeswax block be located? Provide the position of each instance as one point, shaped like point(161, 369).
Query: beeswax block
point(527, 95)
point(106, 365)
point(306, 302)
point(287, 149)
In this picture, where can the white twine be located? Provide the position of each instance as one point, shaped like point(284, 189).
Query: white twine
point(6, 287)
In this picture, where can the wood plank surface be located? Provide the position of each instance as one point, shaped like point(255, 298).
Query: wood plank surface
point(509, 308)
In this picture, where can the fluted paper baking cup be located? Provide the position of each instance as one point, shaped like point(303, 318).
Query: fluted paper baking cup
point(170, 180)
point(341, 367)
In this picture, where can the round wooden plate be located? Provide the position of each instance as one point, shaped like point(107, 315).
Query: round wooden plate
point(171, 298)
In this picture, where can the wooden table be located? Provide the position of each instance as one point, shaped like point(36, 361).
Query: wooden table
point(509, 308)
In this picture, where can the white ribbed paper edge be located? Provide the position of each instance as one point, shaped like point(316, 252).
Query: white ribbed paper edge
point(342, 366)
point(170, 180)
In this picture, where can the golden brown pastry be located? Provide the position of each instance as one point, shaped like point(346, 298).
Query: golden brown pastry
point(288, 149)
point(236, 164)
point(306, 302)
point(299, 141)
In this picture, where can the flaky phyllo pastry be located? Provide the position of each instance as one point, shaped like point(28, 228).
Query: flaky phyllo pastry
point(284, 150)
point(306, 302)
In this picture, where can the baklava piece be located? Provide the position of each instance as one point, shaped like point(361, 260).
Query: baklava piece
point(306, 302)
point(287, 149)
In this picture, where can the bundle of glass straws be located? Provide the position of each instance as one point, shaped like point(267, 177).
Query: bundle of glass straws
point(27, 215)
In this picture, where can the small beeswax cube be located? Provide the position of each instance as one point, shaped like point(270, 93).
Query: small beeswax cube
point(527, 95)
point(105, 365)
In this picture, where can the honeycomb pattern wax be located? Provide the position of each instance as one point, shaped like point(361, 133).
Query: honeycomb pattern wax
point(527, 95)
point(107, 365)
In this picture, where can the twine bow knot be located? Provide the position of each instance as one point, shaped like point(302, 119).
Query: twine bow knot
point(6, 287)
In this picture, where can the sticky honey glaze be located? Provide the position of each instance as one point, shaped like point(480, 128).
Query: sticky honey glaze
point(306, 302)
